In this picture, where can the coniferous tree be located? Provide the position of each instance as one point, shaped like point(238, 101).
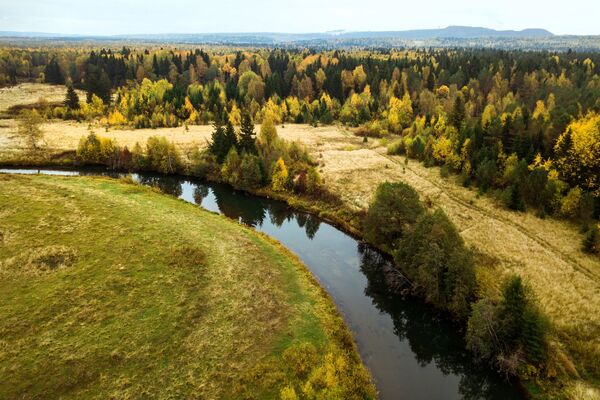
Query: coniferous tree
point(247, 142)
point(458, 113)
point(97, 83)
point(219, 144)
point(223, 139)
point(231, 139)
point(72, 99)
point(53, 73)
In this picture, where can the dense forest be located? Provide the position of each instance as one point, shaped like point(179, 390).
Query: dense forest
point(523, 124)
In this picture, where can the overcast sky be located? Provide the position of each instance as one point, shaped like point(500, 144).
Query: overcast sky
point(108, 17)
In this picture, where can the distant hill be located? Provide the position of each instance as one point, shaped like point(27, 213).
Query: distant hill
point(455, 32)
point(451, 32)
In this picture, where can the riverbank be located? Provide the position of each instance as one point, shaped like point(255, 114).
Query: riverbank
point(241, 314)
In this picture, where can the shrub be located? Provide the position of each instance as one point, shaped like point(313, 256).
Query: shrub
point(250, 172)
point(591, 241)
point(314, 183)
point(204, 165)
point(230, 170)
point(396, 148)
point(162, 155)
point(570, 204)
point(394, 207)
point(374, 129)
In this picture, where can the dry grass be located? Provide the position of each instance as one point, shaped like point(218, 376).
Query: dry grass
point(30, 93)
point(111, 290)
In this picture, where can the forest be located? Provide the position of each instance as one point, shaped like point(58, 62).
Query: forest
point(521, 124)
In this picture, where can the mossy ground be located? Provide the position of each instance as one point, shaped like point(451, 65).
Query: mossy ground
point(111, 290)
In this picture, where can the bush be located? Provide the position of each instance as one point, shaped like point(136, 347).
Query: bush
point(204, 165)
point(374, 129)
point(591, 241)
point(435, 258)
point(230, 170)
point(396, 148)
point(570, 204)
point(314, 183)
point(250, 172)
point(162, 156)
point(394, 207)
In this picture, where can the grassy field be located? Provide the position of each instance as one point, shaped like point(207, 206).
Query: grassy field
point(546, 252)
point(111, 290)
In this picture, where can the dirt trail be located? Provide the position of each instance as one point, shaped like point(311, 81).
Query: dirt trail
point(546, 252)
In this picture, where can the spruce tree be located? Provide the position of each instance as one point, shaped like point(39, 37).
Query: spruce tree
point(230, 136)
point(247, 142)
point(97, 83)
point(458, 113)
point(218, 146)
point(534, 335)
point(72, 99)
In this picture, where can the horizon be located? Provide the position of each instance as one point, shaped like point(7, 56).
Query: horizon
point(135, 17)
point(331, 31)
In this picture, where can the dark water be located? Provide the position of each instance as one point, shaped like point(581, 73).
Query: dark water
point(412, 352)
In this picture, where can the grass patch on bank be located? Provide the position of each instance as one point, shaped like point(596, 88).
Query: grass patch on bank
point(112, 290)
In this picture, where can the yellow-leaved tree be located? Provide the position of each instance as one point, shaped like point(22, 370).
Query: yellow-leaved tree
point(279, 180)
point(577, 153)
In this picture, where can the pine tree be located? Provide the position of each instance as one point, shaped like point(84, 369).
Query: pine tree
point(247, 142)
point(72, 99)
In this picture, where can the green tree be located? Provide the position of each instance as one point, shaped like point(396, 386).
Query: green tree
point(394, 208)
point(268, 134)
point(72, 99)
point(250, 172)
point(247, 142)
point(436, 260)
point(231, 171)
point(230, 135)
point(458, 113)
point(97, 83)
point(220, 141)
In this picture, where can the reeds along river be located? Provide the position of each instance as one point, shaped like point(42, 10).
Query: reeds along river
point(411, 351)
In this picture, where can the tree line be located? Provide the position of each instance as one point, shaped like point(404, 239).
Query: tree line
point(523, 125)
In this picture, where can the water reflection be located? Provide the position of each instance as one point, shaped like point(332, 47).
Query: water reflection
point(412, 352)
point(432, 338)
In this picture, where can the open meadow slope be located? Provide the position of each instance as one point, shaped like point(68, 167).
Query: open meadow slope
point(111, 290)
